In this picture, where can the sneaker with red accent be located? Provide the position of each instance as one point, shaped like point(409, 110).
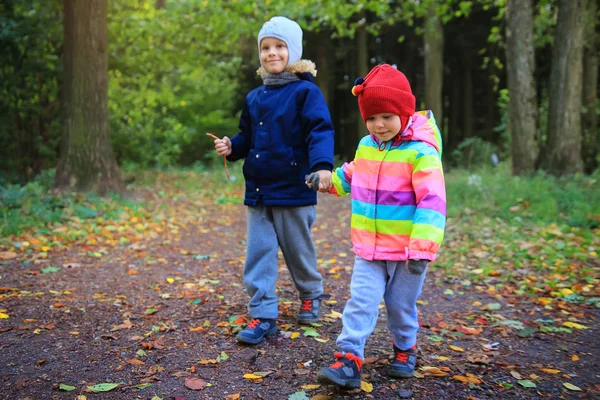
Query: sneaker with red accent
point(256, 331)
point(404, 363)
point(310, 310)
point(344, 372)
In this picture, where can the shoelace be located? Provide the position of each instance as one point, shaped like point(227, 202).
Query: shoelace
point(254, 323)
point(402, 357)
point(306, 305)
point(349, 356)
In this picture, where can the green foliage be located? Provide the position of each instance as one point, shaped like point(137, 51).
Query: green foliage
point(493, 192)
point(36, 205)
point(170, 83)
point(473, 152)
point(30, 40)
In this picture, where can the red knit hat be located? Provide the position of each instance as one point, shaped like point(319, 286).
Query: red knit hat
point(385, 90)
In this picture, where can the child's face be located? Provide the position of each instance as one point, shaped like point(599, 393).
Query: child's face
point(385, 126)
point(273, 55)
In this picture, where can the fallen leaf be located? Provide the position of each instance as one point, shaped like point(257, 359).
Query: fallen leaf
point(135, 362)
point(468, 331)
point(575, 357)
point(456, 348)
point(310, 387)
point(574, 325)
point(103, 387)
point(571, 386)
point(7, 255)
point(366, 386)
point(550, 371)
point(66, 387)
point(527, 383)
point(195, 383)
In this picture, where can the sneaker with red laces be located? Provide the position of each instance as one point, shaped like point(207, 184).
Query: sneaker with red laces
point(344, 372)
point(256, 331)
point(310, 310)
point(404, 363)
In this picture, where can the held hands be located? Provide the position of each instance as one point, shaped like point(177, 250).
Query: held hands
point(417, 267)
point(320, 180)
point(223, 146)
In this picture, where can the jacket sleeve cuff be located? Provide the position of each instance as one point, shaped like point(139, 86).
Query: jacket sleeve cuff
point(322, 166)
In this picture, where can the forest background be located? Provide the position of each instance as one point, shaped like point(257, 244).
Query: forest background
point(175, 70)
point(117, 219)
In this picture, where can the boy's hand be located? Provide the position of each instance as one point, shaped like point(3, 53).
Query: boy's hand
point(324, 180)
point(223, 146)
point(320, 180)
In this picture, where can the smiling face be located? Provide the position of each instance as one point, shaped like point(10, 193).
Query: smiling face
point(384, 126)
point(273, 55)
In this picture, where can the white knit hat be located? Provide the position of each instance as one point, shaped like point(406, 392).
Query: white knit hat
point(287, 31)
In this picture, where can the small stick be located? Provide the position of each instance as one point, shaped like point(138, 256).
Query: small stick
point(224, 158)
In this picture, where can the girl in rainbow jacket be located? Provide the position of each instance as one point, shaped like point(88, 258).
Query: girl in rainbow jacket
point(398, 219)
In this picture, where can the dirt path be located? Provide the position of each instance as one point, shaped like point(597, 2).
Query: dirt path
point(150, 315)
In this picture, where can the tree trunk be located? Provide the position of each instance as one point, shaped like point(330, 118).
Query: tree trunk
point(562, 151)
point(522, 108)
point(467, 97)
point(434, 64)
point(362, 61)
point(591, 139)
point(87, 160)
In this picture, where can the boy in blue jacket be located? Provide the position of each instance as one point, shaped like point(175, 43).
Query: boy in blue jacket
point(285, 134)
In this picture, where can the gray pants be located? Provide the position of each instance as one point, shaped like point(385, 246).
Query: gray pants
point(271, 228)
point(372, 281)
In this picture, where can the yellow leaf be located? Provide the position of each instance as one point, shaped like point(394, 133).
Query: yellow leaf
point(310, 387)
point(575, 357)
point(544, 301)
point(442, 358)
point(294, 335)
point(170, 280)
point(366, 386)
point(334, 314)
point(456, 348)
point(574, 325)
point(571, 386)
point(3, 316)
point(321, 340)
point(252, 376)
point(565, 292)
point(550, 370)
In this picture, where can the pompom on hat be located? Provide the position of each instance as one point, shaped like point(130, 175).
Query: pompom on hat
point(384, 90)
point(287, 31)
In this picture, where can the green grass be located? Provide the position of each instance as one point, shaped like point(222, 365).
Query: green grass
point(482, 193)
point(495, 193)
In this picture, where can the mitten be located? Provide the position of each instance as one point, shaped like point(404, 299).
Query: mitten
point(417, 267)
point(312, 180)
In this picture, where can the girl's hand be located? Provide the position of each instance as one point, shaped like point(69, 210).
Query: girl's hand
point(223, 146)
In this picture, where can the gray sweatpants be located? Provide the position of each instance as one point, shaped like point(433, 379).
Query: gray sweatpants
point(372, 281)
point(271, 228)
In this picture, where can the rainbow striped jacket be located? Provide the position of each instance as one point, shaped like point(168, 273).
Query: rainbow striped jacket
point(398, 193)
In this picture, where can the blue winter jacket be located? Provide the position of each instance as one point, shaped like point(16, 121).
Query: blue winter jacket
point(285, 133)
